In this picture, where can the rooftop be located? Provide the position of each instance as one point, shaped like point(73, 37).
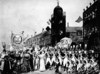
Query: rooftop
point(73, 29)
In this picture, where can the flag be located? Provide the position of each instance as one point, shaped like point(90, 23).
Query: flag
point(79, 19)
point(22, 32)
point(42, 29)
point(35, 33)
point(48, 22)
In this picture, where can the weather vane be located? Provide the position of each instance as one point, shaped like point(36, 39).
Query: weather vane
point(57, 2)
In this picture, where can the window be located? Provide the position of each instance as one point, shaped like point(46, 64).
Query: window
point(93, 15)
point(60, 21)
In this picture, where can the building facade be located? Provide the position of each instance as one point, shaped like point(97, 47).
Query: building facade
point(75, 33)
point(44, 38)
point(91, 23)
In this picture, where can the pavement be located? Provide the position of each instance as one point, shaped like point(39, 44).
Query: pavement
point(38, 72)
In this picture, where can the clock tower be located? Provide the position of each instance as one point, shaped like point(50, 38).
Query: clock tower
point(58, 24)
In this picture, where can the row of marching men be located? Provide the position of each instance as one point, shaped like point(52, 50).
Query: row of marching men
point(68, 61)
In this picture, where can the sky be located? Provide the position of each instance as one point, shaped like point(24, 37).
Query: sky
point(31, 16)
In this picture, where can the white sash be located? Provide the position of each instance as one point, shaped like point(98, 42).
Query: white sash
point(2, 65)
point(79, 65)
point(48, 60)
point(65, 61)
point(60, 60)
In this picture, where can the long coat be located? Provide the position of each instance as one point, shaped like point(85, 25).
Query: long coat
point(7, 66)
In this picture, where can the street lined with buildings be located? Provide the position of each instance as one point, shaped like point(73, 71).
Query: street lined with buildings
point(59, 49)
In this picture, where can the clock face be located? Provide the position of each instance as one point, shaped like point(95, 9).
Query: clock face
point(60, 21)
point(17, 39)
point(61, 32)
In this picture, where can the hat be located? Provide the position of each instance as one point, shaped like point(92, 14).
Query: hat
point(11, 48)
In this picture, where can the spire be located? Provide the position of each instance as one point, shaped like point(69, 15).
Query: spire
point(57, 2)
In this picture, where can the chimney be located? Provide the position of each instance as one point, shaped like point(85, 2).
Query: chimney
point(90, 4)
point(94, 0)
point(35, 33)
point(87, 7)
point(42, 29)
point(83, 9)
point(67, 24)
point(22, 32)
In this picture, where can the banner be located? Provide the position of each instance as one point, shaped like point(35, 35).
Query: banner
point(17, 41)
point(64, 42)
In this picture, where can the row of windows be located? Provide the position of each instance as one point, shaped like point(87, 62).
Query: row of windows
point(89, 16)
point(78, 33)
point(41, 40)
point(47, 39)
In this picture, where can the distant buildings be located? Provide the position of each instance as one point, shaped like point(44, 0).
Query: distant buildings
point(75, 33)
point(44, 38)
point(91, 24)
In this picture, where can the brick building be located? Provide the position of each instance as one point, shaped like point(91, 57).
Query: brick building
point(91, 24)
point(44, 38)
point(41, 39)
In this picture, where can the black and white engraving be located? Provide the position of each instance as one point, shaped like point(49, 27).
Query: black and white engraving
point(49, 36)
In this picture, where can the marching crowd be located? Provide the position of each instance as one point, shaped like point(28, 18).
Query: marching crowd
point(69, 61)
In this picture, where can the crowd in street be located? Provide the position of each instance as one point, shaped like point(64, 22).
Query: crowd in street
point(70, 61)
